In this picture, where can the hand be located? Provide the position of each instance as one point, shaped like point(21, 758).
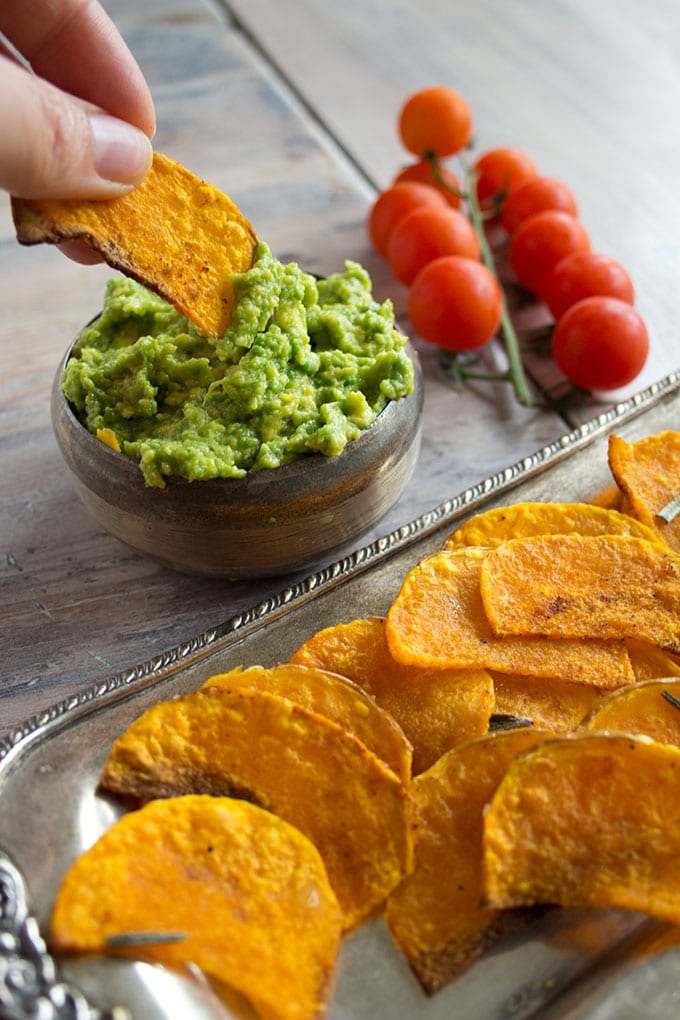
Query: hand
point(78, 124)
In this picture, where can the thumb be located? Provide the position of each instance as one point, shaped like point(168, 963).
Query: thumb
point(56, 146)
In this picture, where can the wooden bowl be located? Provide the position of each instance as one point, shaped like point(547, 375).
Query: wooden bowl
point(268, 523)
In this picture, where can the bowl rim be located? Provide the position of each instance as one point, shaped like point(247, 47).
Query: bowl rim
point(401, 412)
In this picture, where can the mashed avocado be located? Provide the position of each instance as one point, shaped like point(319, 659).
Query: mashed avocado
point(304, 367)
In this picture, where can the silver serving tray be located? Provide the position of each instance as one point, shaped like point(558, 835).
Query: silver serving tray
point(571, 964)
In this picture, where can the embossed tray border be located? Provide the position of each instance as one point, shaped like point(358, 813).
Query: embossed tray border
point(160, 667)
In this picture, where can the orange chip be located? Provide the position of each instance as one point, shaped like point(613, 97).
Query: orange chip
point(522, 520)
point(435, 708)
point(648, 474)
point(650, 662)
point(570, 586)
point(335, 697)
point(587, 820)
point(296, 763)
point(438, 620)
point(651, 707)
point(550, 703)
point(245, 893)
point(435, 914)
point(177, 235)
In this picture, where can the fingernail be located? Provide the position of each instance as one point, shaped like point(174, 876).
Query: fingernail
point(122, 153)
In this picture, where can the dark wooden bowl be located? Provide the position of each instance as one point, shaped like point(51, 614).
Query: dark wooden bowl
point(268, 523)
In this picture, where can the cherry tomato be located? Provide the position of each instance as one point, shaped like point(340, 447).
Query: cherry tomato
point(456, 303)
point(534, 196)
point(600, 343)
point(500, 172)
point(586, 274)
point(395, 202)
point(540, 242)
point(436, 120)
point(426, 234)
point(422, 172)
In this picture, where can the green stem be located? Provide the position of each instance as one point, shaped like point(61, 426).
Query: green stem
point(454, 364)
point(512, 348)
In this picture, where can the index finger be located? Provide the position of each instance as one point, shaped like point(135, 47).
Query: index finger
point(75, 45)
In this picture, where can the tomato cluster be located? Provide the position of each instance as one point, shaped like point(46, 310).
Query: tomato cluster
point(432, 227)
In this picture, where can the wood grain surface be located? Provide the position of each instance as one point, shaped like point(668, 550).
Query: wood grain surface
point(290, 108)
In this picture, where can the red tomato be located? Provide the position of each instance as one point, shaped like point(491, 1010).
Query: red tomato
point(422, 172)
point(395, 202)
point(600, 343)
point(500, 172)
point(435, 120)
point(455, 303)
point(540, 242)
point(426, 234)
point(586, 274)
point(534, 196)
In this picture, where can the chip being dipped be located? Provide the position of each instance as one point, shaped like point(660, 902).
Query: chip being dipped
point(176, 234)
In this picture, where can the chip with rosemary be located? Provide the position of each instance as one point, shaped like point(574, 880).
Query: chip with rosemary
point(648, 474)
point(651, 707)
point(335, 697)
point(589, 820)
point(215, 882)
point(435, 915)
point(435, 708)
point(292, 761)
point(575, 586)
point(550, 703)
point(522, 520)
point(438, 620)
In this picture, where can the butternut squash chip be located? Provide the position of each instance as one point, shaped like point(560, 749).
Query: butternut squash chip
point(571, 586)
point(174, 233)
point(438, 620)
point(246, 894)
point(436, 708)
point(335, 697)
point(648, 474)
point(298, 764)
point(650, 662)
point(589, 820)
point(550, 703)
point(435, 915)
point(522, 520)
point(651, 708)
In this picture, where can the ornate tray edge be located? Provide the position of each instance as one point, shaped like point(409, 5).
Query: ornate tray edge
point(245, 623)
point(30, 985)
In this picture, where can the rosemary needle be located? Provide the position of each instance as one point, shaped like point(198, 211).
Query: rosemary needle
point(129, 939)
point(671, 698)
point(670, 510)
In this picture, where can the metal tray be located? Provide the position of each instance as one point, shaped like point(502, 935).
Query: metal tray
point(571, 964)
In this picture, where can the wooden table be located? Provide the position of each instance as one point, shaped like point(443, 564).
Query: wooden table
point(290, 107)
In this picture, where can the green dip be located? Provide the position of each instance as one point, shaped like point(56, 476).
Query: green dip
point(304, 367)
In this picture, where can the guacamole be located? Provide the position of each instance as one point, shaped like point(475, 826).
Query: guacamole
point(304, 367)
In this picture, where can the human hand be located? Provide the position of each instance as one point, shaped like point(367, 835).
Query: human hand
point(78, 125)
